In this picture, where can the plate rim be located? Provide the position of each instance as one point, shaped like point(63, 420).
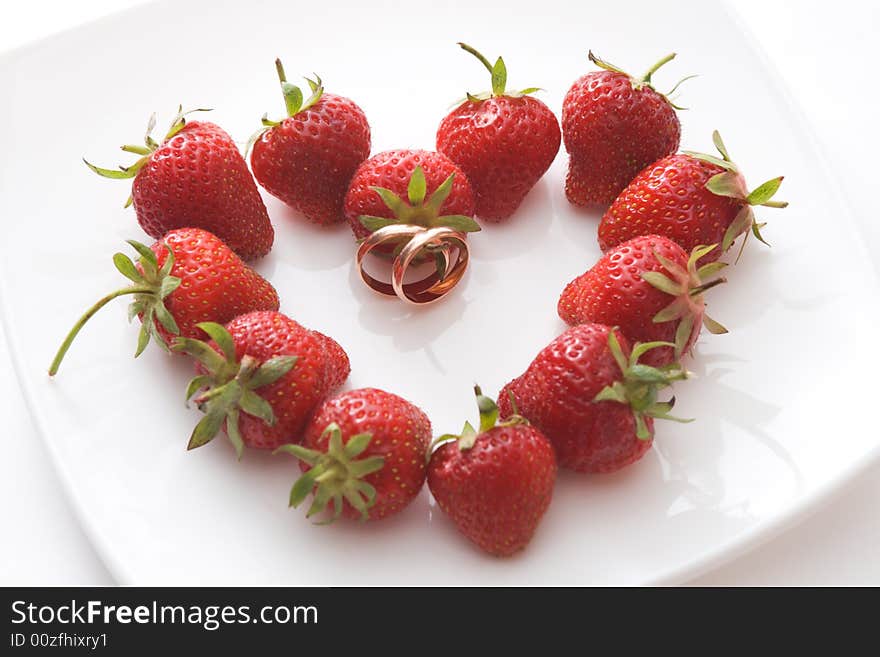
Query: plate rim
point(758, 534)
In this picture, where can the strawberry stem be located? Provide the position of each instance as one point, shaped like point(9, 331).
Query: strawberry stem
point(279, 67)
point(62, 350)
point(336, 474)
point(488, 419)
point(417, 210)
point(488, 410)
point(294, 101)
point(498, 71)
point(230, 385)
point(605, 66)
point(706, 286)
point(646, 78)
point(137, 150)
point(293, 97)
point(639, 384)
point(476, 53)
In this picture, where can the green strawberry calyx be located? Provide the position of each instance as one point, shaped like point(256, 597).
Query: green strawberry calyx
point(294, 102)
point(644, 82)
point(229, 385)
point(687, 285)
point(498, 71)
point(419, 210)
point(150, 146)
point(640, 384)
point(488, 420)
point(150, 286)
point(336, 475)
point(732, 184)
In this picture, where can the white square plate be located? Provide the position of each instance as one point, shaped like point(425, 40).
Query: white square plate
point(782, 402)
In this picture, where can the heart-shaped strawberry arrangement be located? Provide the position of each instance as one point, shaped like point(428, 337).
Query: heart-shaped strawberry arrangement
point(586, 402)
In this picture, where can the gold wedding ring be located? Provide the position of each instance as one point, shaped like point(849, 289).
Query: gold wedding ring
point(450, 244)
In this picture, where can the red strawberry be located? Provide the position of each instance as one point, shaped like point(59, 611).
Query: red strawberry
point(614, 125)
point(651, 290)
point(692, 199)
point(339, 366)
point(495, 484)
point(262, 376)
point(308, 158)
point(592, 398)
point(363, 455)
point(188, 277)
point(196, 178)
point(503, 140)
point(439, 194)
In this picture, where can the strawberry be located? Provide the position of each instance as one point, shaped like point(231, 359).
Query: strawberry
point(363, 455)
point(614, 125)
point(592, 398)
point(692, 199)
point(495, 484)
point(503, 140)
point(308, 158)
point(651, 290)
point(338, 364)
point(261, 376)
point(439, 194)
point(196, 178)
point(188, 277)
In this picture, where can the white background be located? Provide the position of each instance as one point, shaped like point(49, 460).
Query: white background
point(825, 52)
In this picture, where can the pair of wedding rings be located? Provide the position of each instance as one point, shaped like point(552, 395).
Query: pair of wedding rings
point(446, 247)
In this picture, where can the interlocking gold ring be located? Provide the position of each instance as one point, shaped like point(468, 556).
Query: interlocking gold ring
point(451, 244)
